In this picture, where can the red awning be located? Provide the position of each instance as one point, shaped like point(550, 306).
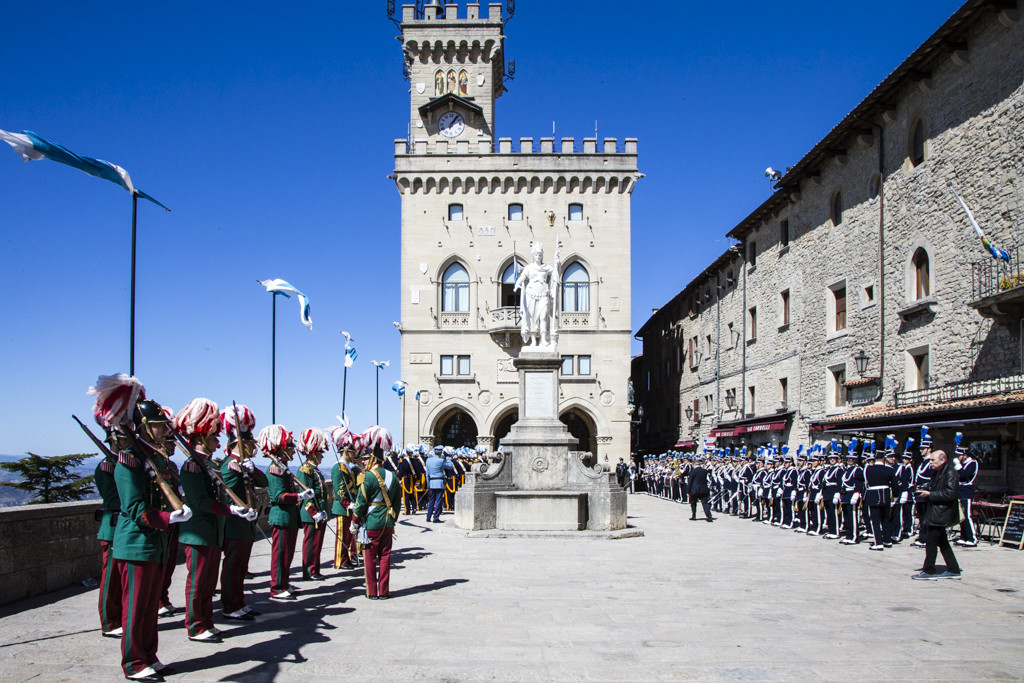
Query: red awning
point(685, 444)
point(715, 433)
point(748, 429)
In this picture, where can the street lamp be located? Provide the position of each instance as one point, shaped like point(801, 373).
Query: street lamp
point(730, 400)
point(379, 365)
point(689, 412)
point(862, 362)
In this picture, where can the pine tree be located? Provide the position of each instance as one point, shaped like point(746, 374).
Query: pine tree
point(53, 479)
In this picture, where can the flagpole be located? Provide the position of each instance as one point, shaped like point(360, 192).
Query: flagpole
point(377, 421)
point(403, 415)
point(344, 387)
point(417, 416)
point(131, 333)
point(273, 358)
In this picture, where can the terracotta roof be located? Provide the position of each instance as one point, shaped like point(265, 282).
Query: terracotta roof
point(886, 411)
point(860, 382)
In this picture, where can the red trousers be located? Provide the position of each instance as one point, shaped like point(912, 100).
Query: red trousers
point(312, 544)
point(140, 599)
point(172, 559)
point(232, 574)
point(282, 541)
point(110, 589)
point(379, 548)
point(344, 543)
point(200, 584)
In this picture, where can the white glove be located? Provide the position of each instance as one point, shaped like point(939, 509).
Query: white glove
point(320, 517)
point(150, 471)
point(248, 466)
point(818, 498)
point(352, 507)
point(239, 511)
point(956, 465)
point(905, 497)
point(182, 515)
point(855, 499)
point(353, 527)
point(778, 493)
point(792, 496)
point(251, 515)
point(307, 495)
point(835, 499)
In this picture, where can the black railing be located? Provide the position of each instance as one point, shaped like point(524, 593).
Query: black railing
point(993, 276)
point(955, 391)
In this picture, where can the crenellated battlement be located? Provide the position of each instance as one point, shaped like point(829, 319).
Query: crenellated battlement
point(484, 145)
point(448, 12)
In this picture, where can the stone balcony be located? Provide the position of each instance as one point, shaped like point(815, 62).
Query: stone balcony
point(503, 325)
point(454, 321)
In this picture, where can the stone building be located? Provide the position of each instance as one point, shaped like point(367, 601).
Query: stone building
point(858, 299)
point(470, 211)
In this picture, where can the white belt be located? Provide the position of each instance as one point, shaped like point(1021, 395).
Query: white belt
point(873, 488)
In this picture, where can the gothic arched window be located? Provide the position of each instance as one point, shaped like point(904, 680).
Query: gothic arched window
point(508, 281)
point(455, 289)
point(922, 275)
point(576, 289)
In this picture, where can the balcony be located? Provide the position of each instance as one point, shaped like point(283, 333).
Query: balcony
point(575, 321)
point(454, 321)
point(998, 289)
point(503, 325)
point(956, 391)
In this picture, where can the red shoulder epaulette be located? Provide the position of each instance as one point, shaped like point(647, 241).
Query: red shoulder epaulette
point(191, 467)
point(128, 460)
point(276, 471)
point(234, 467)
point(107, 466)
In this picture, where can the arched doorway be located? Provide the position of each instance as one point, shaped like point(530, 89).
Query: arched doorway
point(582, 429)
point(504, 426)
point(457, 430)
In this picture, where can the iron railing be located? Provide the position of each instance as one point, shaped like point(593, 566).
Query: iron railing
point(992, 276)
point(955, 391)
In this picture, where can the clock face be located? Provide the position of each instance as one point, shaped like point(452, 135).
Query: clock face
point(451, 124)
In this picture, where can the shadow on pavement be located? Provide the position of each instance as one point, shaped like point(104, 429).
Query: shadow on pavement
point(427, 587)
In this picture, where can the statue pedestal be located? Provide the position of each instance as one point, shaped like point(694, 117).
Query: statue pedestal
point(538, 483)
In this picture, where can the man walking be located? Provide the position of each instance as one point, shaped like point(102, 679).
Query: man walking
point(697, 488)
point(942, 495)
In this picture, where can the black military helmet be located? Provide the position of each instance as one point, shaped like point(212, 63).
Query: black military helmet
point(148, 411)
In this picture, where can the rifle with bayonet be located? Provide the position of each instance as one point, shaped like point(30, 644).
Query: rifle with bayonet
point(210, 471)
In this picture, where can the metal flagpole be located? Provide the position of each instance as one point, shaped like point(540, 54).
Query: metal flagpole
point(344, 388)
point(403, 416)
point(273, 359)
point(417, 416)
point(131, 334)
point(377, 420)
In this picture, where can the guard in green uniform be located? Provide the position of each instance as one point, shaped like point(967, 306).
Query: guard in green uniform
point(242, 476)
point(276, 443)
point(377, 508)
point(343, 483)
point(110, 582)
point(313, 514)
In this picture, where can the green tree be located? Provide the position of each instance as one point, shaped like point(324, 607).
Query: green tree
point(52, 480)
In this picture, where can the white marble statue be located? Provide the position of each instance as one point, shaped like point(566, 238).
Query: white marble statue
point(539, 285)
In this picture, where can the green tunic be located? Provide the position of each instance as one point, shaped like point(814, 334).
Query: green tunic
point(312, 478)
point(370, 507)
point(107, 488)
point(343, 483)
point(206, 527)
point(284, 512)
point(142, 529)
point(231, 471)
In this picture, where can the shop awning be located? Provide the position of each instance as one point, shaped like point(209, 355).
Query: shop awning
point(770, 423)
point(716, 433)
point(685, 444)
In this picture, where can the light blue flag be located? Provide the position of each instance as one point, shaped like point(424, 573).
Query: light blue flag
point(399, 388)
point(31, 147)
point(279, 286)
point(350, 352)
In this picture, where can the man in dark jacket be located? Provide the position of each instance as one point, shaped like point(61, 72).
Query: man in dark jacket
point(697, 488)
point(942, 511)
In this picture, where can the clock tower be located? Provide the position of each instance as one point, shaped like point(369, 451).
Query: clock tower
point(456, 67)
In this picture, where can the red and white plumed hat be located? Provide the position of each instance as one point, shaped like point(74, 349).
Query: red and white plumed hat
point(340, 435)
point(272, 438)
point(377, 437)
point(311, 440)
point(245, 416)
point(198, 418)
point(116, 396)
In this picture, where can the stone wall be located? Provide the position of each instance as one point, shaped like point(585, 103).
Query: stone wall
point(47, 547)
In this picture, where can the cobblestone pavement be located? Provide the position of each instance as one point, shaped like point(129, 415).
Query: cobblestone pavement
point(732, 600)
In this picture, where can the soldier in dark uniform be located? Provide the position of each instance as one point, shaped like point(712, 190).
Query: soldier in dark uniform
point(853, 491)
point(922, 482)
point(815, 493)
point(313, 514)
point(880, 486)
point(967, 467)
point(110, 582)
point(903, 510)
point(832, 488)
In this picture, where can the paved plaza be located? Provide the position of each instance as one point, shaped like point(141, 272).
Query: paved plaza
point(730, 600)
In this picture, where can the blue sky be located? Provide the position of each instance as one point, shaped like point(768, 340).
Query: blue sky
point(269, 133)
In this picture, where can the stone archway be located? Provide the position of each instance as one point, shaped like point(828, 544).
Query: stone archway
point(582, 428)
point(456, 429)
point(504, 425)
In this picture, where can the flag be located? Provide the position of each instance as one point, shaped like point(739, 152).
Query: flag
point(279, 286)
point(399, 388)
point(996, 253)
point(417, 396)
point(350, 352)
point(31, 147)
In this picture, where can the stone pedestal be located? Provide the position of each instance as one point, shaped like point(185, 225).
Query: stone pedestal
point(538, 483)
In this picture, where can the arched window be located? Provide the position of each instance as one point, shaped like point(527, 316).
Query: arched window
point(836, 208)
point(508, 281)
point(455, 289)
point(922, 275)
point(916, 143)
point(576, 289)
point(515, 212)
point(439, 83)
point(451, 82)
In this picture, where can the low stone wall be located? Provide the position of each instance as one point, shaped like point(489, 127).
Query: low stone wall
point(47, 547)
